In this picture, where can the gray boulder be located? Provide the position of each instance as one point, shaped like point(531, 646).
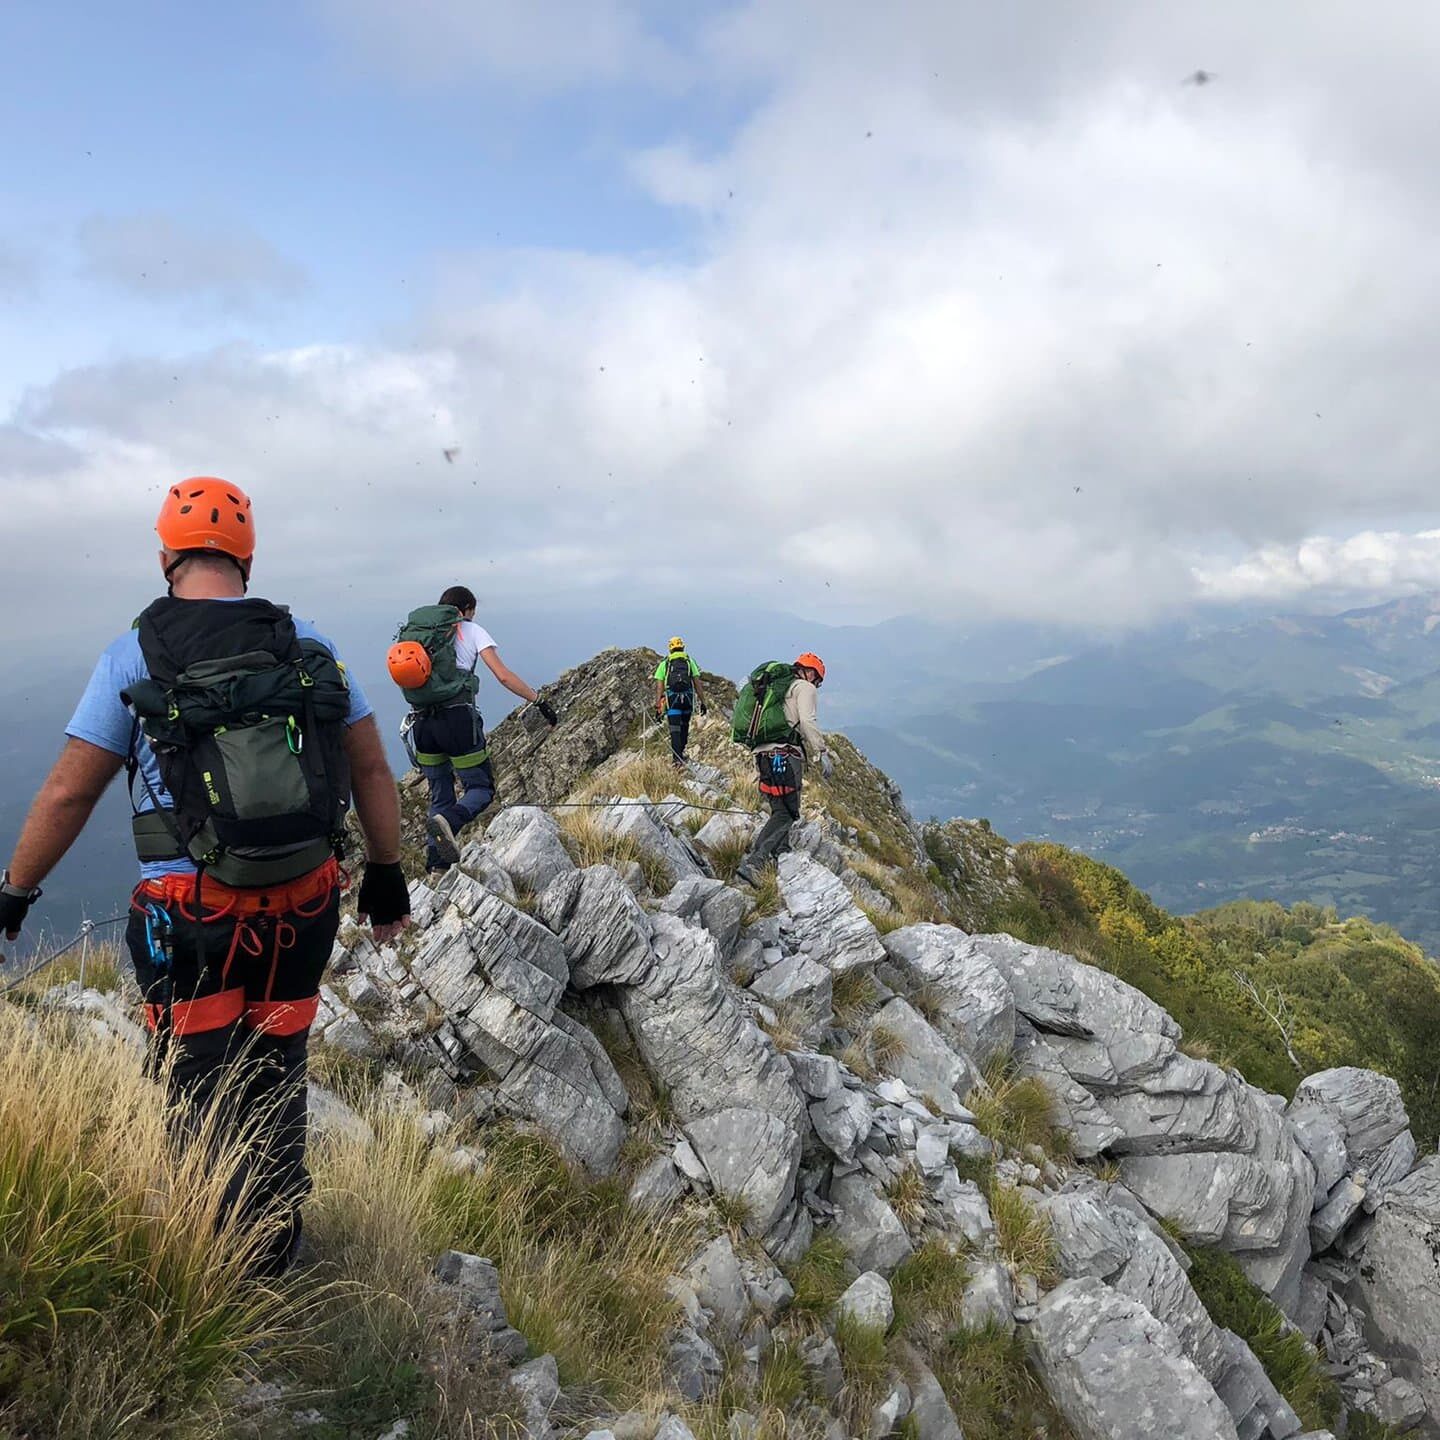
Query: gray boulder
point(1399, 1282)
point(866, 1226)
point(474, 1284)
point(715, 1277)
point(1091, 1128)
point(525, 841)
point(498, 976)
point(752, 1156)
point(842, 1121)
point(926, 1063)
point(867, 1302)
point(693, 1365)
point(1117, 1373)
point(977, 1008)
point(1365, 1105)
point(821, 919)
point(537, 1383)
point(930, 1414)
point(657, 1187)
point(989, 1297)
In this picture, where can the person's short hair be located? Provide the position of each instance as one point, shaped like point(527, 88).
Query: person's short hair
point(460, 596)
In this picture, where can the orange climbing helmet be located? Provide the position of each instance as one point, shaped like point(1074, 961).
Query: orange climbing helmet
point(208, 514)
point(813, 662)
point(409, 664)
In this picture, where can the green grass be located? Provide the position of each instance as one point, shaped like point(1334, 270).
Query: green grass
point(765, 897)
point(993, 1391)
point(1018, 1112)
point(1022, 1236)
point(928, 1287)
point(819, 1278)
point(854, 996)
point(1293, 1366)
point(865, 1363)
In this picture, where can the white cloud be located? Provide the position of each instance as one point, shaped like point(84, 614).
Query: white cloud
point(163, 257)
point(1370, 563)
point(986, 313)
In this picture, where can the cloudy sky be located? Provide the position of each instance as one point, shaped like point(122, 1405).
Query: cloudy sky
point(943, 307)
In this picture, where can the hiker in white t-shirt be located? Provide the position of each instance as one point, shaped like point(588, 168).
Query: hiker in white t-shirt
point(450, 742)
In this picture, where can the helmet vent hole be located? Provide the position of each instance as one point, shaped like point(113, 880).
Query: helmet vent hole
point(240, 516)
point(185, 509)
point(233, 499)
point(215, 516)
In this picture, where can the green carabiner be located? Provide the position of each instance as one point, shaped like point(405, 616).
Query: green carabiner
point(294, 736)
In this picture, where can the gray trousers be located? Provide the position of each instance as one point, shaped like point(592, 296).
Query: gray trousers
point(781, 779)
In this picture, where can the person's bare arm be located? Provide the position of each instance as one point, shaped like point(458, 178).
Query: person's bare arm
point(377, 805)
point(60, 810)
point(660, 697)
point(506, 676)
point(377, 802)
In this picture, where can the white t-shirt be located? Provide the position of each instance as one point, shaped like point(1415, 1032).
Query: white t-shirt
point(470, 641)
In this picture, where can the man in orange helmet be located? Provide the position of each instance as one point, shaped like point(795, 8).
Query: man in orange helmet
point(781, 764)
point(245, 741)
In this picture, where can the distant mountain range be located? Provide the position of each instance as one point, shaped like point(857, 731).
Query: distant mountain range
point(1293, 757)
point(1279, 756)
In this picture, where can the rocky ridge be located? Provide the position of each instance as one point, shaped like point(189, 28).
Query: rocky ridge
point(834, 1064)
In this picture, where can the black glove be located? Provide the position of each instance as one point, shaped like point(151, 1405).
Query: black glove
point(15, 903)
point(548, 711)
point(384, 896)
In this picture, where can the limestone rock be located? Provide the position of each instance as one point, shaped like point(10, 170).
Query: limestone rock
point(926, 1063)
point(637, 823)
point(1367, 1107)
point(989, 1297)
point(1399, 1281)
point(842, 1121)
point(750, 1155)
point(867, 1302)
point(977, 1012)
point(719, 1285)
point(525, 841)
point(657, 1187)
point(1117, 1373)
point(866, 1226)
point(822, 920)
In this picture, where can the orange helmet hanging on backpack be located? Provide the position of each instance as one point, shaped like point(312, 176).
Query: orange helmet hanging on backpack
point(409, 664)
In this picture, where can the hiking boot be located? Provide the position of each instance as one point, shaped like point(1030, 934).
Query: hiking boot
point(447, 847)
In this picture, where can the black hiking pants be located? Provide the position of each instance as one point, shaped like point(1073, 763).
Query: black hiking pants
point(450, 744)
point(230, 991)
point(679, 721)
point(782, 776)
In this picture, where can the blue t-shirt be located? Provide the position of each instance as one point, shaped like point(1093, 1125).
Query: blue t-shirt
point(101, 719)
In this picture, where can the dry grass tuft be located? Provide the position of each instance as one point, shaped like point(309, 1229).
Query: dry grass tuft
point(907, 1194)
point(854, 997)
point(886, 1046)
point(123, 1309)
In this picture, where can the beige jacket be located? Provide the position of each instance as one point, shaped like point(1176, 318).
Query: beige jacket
point(802, 713)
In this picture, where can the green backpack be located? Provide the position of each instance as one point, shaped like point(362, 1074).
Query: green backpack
point(759, 716)
point(434, 626)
